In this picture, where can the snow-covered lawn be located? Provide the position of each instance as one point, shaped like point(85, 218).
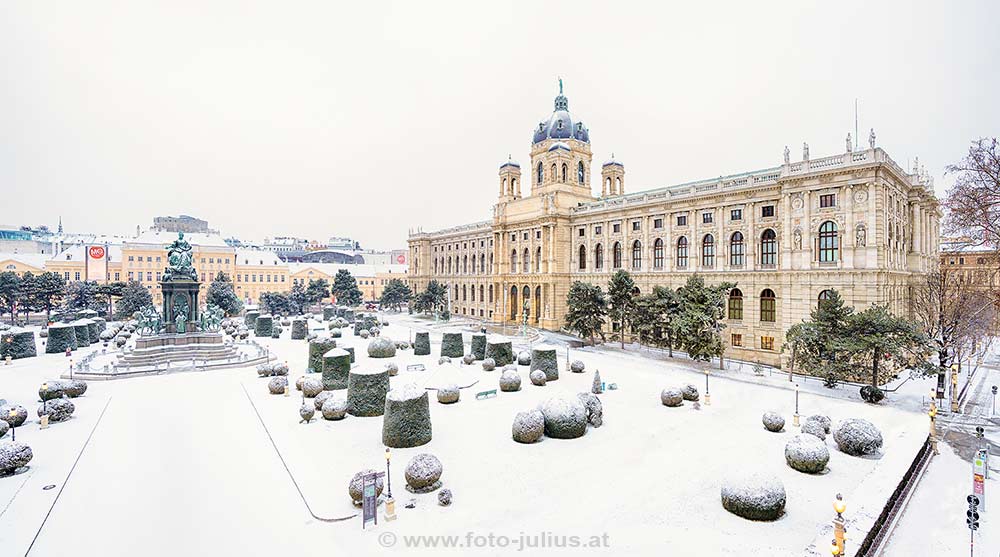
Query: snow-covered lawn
point(181, 465)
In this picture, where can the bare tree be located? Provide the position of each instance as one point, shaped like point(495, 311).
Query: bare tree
point(973, 202)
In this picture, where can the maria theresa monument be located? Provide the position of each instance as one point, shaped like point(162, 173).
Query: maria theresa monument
point(786, 234)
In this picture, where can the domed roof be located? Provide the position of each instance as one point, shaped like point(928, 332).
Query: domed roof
point(559, 145)
point(561, 124)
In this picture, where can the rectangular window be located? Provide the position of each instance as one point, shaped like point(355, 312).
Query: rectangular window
point(736, 214)
point(157, 277)
point(767, 343)
point(538, 236)
point(597, 230)
point(149, 259)
point(513, 238)
point(737, 339)
point(131, 258)
point(149, 276)
point(767, 211)
point(117, 277)
point(828, 200)
point(524, 236)
point(580, 233)
point(635, 225)
point(130, 276)
point(616, 228)
point(682, 220)
point(657, 223)
point(706, 218)
point(66, 275)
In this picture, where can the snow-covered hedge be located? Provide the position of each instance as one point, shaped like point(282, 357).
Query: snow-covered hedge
point(423, 473)
point(422, 344)
point(501, 351)
point(318, 347)
point(754, 496)
point(544, 358)
point(407, 421)
point(366, 391)
point(528, 427)
point(858, 437)
point(564, 418)
point(452, 345)
point(17, 344)
point(807, 453)
point(478, 346)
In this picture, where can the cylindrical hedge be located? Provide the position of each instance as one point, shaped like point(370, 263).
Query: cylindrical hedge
point(452, 345)
point(350, 350)
point(300, 328)
point(478, 346)
point(366, 392)
point(251, 319)
point(17, 344)
point(422, 344)
point(501, 352)
point(407, 421)
point(93, 331)
point(82, 327)
point(318, 347)
point(544, 358)
point(264, 326)
point(336, 369)
point(61, 336)
point(329, 312)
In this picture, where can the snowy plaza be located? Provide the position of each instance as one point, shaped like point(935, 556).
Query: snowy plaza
point(200, 462)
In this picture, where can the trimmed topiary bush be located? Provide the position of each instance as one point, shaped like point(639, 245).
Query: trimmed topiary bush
point(537, 377)
point(392, 368)
point(59, 410)
point(773, 421)
point(317, 348)
point(329, 312)
point(689, 392)
point(815, 428)
point(754, 496)
point(872, 395)
point(544, 358)
point(510, 382)
point(528, 427)
point(500, 351)
point(264, 326)
point(576, 367)
point(82, 327)
point(452, 345)
point(312, 387)
point(423, 473)
point(61, 337)
point(366, 391)
point(489, 364)
point(18, 343)
point(564, 418)
point(13, 456)
point(444, 360)
point(56, 388)
point(468, 359)
point(407, 421)
point(300, 328)
point(858, 437)
point(448, 394)
point(595, 410)
point(250, 319)
point(477, 346)
point(356, 488)
point(422, 344)
point(321, 398)
point(807, 453)
point(277, 385)
point(444, 497)
point(306, 412)
point(822, 420)
point(671, 397)
point(335, 408)
point(524, 358)
point(597, 386)
point(19, 417)
point(381, 347)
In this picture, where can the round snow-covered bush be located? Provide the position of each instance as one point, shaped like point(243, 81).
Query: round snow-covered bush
point(381, 347)
point(407, 421)
point(53, 389)
point(121, 340)
point(279, 368)
point(444, 360)
point(321, 398)
point(58, 410)
point(773, 421)
point(689, 392)
point(509, 367)
point(19, 417)
point(335, 408)
point(421, 344)
point(277, 385)
point(448, 394)
point(814, 427)
point(306, 412)
point(872, 394)
point(76, 388)
point(524, 358)
point(263, 370)
point(13, 456)
point(356, 488)
point(754, 496)
point(364, 333)
point(299, 382)
point(528, 427)
point(807, 453)
point(537, 377)
point(392, 368)
point(423, 473)
point(671, 397)
point(366, 391)
point(452, 345)
point(489, 364)
point(510, 382)
point(858, 437)
point(4, 428)
point(468, 359)
point(444, 497)
point(595, 410)
point(44, 333)
point(577, 366)
point(311, 386)
point(335, 333)
point(822, 420)
point(564, 418)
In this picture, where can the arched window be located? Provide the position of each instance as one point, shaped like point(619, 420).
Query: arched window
point(481, 293)
point(658, 254)
point(598, 257)
point(608, 182)
point(708, 251)
point(736, 304)
point(579, 172)
point(636, 255)
point(736, 249)
point(767, 306)
point(682, 252)
point(526, 263)
point(616, 255)
point(472, 293)
point(505, 190)
point(465, 293)
point(482, 266)
point(513, 261)
point(768, 248)
point(554, 176)
point(491, 293)
point(565, 171)
point(618, 186)
point(538, 259)
point(541, 176)
point(825, 296)
point(449, 265)
point(513, 186)
point(465, 265)
point(829, 242)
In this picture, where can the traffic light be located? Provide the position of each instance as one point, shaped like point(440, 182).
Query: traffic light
point(972, 515)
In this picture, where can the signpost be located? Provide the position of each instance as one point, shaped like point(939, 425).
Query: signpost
point(369, 500)
point(978, 476)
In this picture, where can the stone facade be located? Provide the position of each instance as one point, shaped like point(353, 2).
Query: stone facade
point(855, 222)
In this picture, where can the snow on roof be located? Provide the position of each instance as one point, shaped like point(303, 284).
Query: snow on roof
point(36, 260)
point(158, 237)
point(245, 256)
point(356, 270)
point(76, 252)
point(963, 245)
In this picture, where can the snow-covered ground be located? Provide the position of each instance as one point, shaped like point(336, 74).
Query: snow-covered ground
point(180, 464)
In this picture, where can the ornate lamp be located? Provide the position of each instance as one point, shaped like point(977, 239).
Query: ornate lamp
point(390, 503)
point(795, 417)
point(708, 396)
point(43, 420)
point(13, 415)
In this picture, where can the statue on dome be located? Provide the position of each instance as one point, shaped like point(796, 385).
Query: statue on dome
point(180, 258)
point(871, 139)
point(787, 155)
point(560, 86)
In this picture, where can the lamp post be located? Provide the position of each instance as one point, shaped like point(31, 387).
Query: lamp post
point(795, 417)
point(43, 420)
point(708, 396)
point(932, 414)
point(834, 548)
point(838, 524)
point(71, 369)
point(390, 503)
point(13, 417)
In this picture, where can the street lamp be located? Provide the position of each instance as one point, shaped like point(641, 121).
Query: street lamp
point(932, 414)
point(390, 503)
point(834, 548)
point(838, 524)
point(43, 420)
point(708, 396)
point(13, 420)
point(795, 417)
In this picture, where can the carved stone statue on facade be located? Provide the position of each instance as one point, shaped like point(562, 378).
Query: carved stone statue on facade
point(871, 139)
point(180, 258)
point(181, 321)
point(850, 147)
point(797, 239)
point(787, 155)
point(860, 236)
point(805, 151)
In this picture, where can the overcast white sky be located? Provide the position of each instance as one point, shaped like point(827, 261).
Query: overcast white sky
point(366, 118)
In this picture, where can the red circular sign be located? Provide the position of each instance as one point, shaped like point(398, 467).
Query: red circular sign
point(96, 252)
point(400, 259)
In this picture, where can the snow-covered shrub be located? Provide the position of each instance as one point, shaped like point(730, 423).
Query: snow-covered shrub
point(754, 496)
point(53, 389)
point(689, 392)
point(814, 427)
point(448, 394)
point(59, 409)
point(407, 421)
point(335, 408)
point(871, 394)
point(773, 421)
point(444, 497)
point(276, 385)
point(312, 387)
point(366, 391)
point(306, 412)
point(263, 326)
point(13, 456)
point(61, 337)
point(392, 368)
point(510, 382)
point(524, 358)
point(477, 346)
point(544, 358)
point(537, 377)
point(356, 488)
point(321, 398)
point(381, 347)
point(807, 453)
point(823, 420)
point(597, 386)
point(501, 351)
point(364, 333)
point(528, 427)
point(318, 347)
point(489, 364)
point(468, 359)
point(300, 328)
point(577, 366)
point(564, 418)
point(595, 410)
point(671, 397)
point(858, 437)
point(444, 360)
point(452, 345)
point(423, 473)
point(422, 344)
point(19, 417)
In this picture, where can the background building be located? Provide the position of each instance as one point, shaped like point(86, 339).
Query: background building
point(785, 234)
point(183, 223)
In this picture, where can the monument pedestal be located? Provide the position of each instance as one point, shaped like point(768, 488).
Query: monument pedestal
point(180, 296)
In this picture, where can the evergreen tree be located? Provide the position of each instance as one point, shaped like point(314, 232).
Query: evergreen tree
point(395, 294)
point(819, 345)
point(586, 309)
point(222, 295)
point(276, 303)
point(875, 334)
point(110, 290)
point(134, 297)
point(345, 288)
point(433, 299)
point(298, 298)
point(10, 293)
point(621, 300)
point(81, 295)
point(318, 290)
point(656, 317)
point(28, 295)
point(50, 288)
point(699, 323)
